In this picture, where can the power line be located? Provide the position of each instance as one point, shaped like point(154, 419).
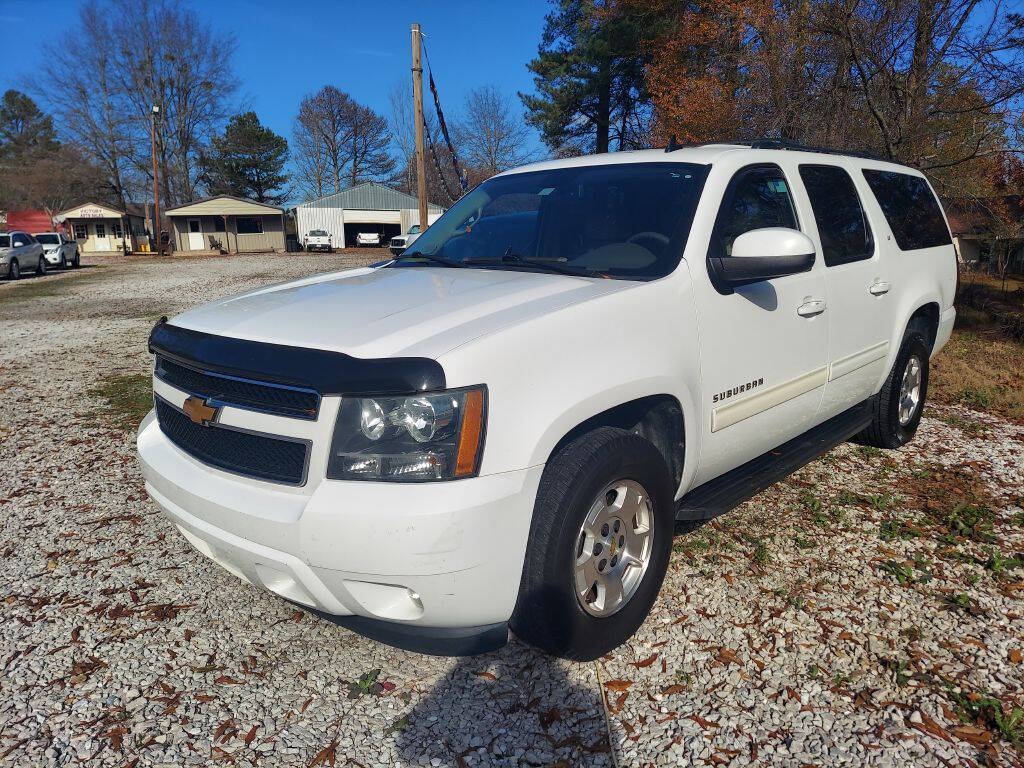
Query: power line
point(444, 127)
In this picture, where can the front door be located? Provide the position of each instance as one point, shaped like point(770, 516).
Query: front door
point(859, 304)
point(102, 239)
point(764, 346)
point(195, 235)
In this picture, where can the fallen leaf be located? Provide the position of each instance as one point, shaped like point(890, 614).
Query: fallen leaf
point(1015, 655)
point(645, 662)
point(618, 685)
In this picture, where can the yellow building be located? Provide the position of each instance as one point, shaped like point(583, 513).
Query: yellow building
point(100, 228)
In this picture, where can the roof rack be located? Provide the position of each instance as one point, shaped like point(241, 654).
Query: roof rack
point(797, 147)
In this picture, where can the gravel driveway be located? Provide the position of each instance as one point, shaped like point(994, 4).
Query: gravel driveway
point(866, 611)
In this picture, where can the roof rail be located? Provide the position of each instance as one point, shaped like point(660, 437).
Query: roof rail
point(797, 147)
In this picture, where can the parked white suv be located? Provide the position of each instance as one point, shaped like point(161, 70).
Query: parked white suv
point(501, 428)
point(20, 251)
point(58, 249)
point(401, 242)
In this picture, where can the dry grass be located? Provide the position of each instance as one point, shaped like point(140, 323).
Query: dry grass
point(982, 366)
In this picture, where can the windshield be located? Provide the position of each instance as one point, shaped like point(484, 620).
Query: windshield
point(46, 239)
point(628, 220)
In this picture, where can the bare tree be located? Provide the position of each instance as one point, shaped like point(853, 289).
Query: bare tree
point(311, 158)
point(338, 140)
point(939, 79)
point(491, 139)
point(370, 144)
point(102, 83)
point(323, 134)
point(79, 80)
point(183, 67)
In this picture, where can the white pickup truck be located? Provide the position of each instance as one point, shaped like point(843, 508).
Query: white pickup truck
point(318, 240)
point(401, 242)
point(501, 428)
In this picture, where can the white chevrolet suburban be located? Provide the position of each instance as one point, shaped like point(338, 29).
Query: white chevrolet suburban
point(501, 428)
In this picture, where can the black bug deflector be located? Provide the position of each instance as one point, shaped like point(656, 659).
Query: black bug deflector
point(322, 370)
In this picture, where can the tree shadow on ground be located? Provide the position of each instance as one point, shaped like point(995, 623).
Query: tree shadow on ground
point(514, 707)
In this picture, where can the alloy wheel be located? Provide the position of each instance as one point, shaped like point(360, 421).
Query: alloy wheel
point(613, 548)
point(910, 391)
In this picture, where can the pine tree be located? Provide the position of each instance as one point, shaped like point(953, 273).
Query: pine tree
point(247, 161)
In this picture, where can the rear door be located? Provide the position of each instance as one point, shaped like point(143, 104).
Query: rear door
point(763, 346)
point(857, 282)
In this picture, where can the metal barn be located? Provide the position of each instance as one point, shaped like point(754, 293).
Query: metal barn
point(367, 207)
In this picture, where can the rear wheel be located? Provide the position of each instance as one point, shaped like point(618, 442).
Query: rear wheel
point(13, 270)
point(900, 402)
point(599, 545)
point(41, 266)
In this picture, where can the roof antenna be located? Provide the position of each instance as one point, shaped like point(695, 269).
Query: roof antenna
point(673, 144)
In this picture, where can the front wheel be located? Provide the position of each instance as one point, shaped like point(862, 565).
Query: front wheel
point(41, 266)
point(13, 270)
point(599, 545)
point(899, 404)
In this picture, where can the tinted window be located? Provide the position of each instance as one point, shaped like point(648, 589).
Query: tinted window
point(625, 220)
point(842, 226)
point(19, 239)
point(48, 239)
point(318, 233)
point(910, 208)
point(756, 198)
point(5, 241)
point(249, 225)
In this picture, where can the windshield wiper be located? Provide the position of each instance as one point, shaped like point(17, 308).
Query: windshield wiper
point(551, 265)
point(429, 257)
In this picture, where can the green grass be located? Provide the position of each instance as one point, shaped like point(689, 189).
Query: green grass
point(37, 288)
point(128, 398)
point(986, 711)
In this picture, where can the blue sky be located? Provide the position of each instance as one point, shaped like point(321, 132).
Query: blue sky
point(286, 50)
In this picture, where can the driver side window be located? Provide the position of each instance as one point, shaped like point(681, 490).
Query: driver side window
point(757, 197)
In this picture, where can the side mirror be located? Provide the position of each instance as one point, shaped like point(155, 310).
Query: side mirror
point(763, 254)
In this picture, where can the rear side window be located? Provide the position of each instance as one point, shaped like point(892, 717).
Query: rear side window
point(842, 226)
point(757, 197)
point(5, 241)
point(910, 208)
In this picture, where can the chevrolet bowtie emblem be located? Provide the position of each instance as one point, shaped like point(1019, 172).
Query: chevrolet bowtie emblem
point(199, 411)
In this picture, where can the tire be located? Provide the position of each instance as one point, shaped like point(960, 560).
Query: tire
point(894, 422)
point(13, 270)
point(41, 266)
point(578, 482)
point(63, 260)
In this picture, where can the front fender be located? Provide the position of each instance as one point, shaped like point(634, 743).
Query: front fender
point(550, 373)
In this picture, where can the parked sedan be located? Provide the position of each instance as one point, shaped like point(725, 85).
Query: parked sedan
point(368, 238)
point(19, 250)
point(58, 249)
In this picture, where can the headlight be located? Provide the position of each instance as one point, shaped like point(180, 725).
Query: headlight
point(430, 436)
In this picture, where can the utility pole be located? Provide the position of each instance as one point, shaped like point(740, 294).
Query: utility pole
point(417, 95)
point(156, 188)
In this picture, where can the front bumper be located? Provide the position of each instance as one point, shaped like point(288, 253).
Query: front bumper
point(52, 257)
point(430, 557)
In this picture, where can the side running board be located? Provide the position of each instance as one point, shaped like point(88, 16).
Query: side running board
point(718, 496)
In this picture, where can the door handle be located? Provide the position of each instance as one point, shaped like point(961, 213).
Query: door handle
point(879, 287)
point(810, 308)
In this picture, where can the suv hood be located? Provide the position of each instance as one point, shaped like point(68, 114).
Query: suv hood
point(386, 312)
